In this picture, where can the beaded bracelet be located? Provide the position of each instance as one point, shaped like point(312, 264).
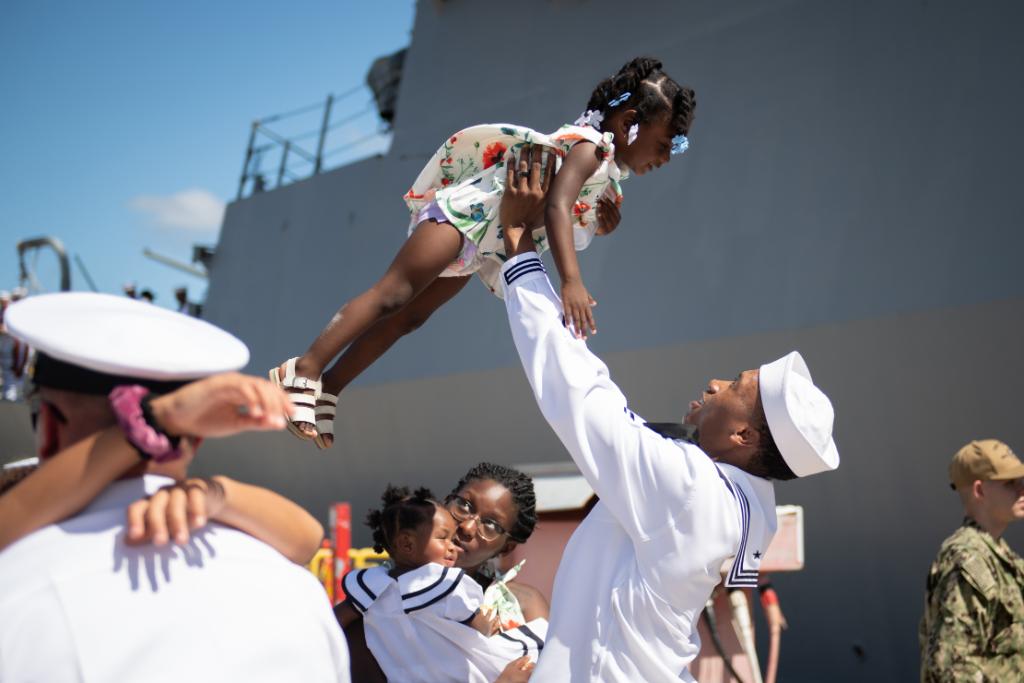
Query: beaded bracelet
point(131, 406)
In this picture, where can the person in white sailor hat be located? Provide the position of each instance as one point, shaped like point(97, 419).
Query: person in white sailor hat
point(676, 502)
point(119, 382)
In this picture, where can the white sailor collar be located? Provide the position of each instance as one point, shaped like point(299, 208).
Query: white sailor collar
point(755, 499)
point(419, 588)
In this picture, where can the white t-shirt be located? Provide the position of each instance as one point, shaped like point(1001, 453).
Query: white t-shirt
point(637, 572)
point(79, 605)
point(417, 626)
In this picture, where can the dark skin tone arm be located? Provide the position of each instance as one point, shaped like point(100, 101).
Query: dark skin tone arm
point(346, 613)
point(69, 480)
point(581, 163)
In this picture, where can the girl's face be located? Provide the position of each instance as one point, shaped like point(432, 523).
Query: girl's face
point(652, 148)
point(492, 505)
point(437, 541)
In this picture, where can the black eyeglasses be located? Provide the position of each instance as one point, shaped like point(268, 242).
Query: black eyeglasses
point(462, 510)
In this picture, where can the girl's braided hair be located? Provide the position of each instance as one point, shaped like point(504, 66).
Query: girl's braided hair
point(401, 510)
point(651, 92)
point(519, 485)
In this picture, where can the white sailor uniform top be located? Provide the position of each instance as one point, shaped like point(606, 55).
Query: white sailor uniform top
point(416, 626)
point(637, 572)
point(79, 605)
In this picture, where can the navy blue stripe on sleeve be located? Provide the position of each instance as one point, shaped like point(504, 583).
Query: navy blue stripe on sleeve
point(524, 267)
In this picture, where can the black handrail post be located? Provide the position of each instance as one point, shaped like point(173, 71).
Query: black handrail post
point(248, 158)
point(323, 135)
point(284, 162)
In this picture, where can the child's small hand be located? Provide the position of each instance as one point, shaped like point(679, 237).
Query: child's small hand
point(577, 302)
point(486, 621)
point(608, 216)
point(517, 671)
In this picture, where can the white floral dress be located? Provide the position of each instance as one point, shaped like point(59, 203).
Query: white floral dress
point(465, 179)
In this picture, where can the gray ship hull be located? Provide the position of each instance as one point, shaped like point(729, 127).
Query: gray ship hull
point(852, 190)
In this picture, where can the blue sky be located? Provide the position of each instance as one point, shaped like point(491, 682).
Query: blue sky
point(125, 123)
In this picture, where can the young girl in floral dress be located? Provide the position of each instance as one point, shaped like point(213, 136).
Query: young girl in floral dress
point(635, 121)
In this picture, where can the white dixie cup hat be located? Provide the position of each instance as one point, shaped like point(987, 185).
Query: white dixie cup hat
point(799, 416)
point(90, 343)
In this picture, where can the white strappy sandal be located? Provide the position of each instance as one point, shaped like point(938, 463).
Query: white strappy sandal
point(326, 407)
point(303, 404)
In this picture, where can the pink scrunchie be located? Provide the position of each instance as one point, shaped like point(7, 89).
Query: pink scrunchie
point(126, 401)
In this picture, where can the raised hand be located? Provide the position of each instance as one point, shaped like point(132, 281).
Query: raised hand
point(222, 405)
point(522, 204)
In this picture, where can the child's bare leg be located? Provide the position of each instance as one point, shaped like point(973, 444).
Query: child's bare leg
point(424, 256)
point(373, 343)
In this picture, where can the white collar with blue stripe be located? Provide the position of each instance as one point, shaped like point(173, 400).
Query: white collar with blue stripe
point(420, 588)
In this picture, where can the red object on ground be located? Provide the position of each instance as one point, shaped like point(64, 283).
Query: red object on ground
point(341, 539)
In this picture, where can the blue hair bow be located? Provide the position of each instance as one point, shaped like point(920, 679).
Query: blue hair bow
point(680, 144)
point(620, 99)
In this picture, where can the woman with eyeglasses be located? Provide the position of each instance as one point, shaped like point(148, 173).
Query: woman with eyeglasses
point(495, 509)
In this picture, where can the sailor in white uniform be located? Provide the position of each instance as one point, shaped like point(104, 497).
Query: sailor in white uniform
point(637, 572)
point(417, 626)
point(78, 603)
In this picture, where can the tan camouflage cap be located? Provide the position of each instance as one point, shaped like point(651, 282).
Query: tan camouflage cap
point(987, 460)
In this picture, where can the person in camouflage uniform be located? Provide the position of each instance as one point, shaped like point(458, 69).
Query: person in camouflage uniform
point(973, 624)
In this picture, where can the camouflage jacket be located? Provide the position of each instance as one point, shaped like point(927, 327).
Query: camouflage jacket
point(973, 624)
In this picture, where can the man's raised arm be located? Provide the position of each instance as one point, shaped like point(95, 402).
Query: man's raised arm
point(632, 469)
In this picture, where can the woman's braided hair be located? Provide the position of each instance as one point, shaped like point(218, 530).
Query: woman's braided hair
point(401, 510)
point(651, 93)
point(519, 485)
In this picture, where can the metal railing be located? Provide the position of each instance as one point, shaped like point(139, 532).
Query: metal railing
point(280, 154)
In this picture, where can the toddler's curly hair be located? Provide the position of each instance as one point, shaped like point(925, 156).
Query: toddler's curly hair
point(402, 509)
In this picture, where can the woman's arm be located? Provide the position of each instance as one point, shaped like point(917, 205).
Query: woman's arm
point(580, 164)
point(346, 613)
point(270, 517)
point(172, 512)
point(64, 484)
point(220, 405)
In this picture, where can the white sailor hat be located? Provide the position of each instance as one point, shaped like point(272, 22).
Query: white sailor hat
point(90, 343)
point(799, 415)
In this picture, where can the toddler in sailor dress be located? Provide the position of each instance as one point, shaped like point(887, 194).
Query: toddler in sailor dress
point(635, 121)
point(422, 616)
